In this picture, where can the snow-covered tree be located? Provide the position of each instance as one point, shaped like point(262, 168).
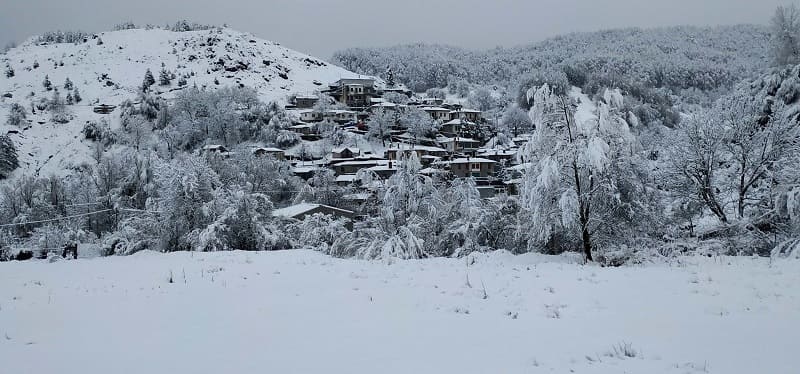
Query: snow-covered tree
point(164, 77)
point(583, 186)
point(482, 99)
point(9, 71)
point(148, 81)
point(516, 121)
point(380, 124)
point(390, 77)
point(47, 84)
point(8, 157)
point(76, 95)
point(437, 93)
point(68, 84)
point(16, 115)
point(786, 35)
point(418, 123)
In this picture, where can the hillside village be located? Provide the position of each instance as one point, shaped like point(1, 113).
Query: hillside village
point(456, 145)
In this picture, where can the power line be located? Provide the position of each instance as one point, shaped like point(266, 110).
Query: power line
point(56, 219)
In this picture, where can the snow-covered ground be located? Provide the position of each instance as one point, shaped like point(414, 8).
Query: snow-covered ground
point(303, 312)
point(114, 71)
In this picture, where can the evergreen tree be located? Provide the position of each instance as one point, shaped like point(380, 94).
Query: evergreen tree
point(390, 78)
point(182, 82)
point(164, 78)
point(68, 84)
point(47, 84)
point(9, 71)
point(70, 99)
point(149, 80)
point(16, 115)
point(8, 157)
point(35, 64)
point(76, 95)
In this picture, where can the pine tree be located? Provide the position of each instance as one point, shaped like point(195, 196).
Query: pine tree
point(8, 157)
point(149, 80)
point(68, 84)
point(99, 41)
point(9, 71)
point(47, 84)
point(164, 78)
point(76, 95)
point(390, 77)
point(70, 99)
point(16, 115)
point(35, 64)
point(182, 82)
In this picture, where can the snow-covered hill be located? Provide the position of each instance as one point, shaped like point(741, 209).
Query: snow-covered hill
point(113, 70)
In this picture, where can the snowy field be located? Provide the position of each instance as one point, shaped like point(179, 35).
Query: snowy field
point(303, 312)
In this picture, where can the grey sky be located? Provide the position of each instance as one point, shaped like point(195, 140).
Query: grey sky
point(319, 27)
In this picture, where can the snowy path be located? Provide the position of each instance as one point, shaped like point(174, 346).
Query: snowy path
point(302, 312)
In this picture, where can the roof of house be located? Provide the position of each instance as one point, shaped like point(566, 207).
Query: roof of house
point(444, 139)
point(303, 208)
point(458, 122)
point(434, 109)
point(342, 149)
point(267, 149)
point(466, 111)
point(346, 178)
point(339, 111)
point(362, 163)
point(474, 160)
point(409, 147)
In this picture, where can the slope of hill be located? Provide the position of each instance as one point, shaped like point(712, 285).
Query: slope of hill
point(110, 67)
point(674, 57)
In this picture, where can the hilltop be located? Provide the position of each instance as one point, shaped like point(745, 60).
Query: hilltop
point(109, 67)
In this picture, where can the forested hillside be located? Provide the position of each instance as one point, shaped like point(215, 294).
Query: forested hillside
point(662, 67)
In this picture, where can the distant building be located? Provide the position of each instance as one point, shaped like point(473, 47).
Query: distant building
point(470, 115)
point(309, 115)
point(356, 93)
point(215, 149)
point(276, 153)
point(422, 151)
point(459, 144)
point(437, 113)
point(305, 101)
point(471, 167)
point(345, 152)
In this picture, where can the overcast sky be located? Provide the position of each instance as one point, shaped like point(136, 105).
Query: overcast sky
point(320, 27)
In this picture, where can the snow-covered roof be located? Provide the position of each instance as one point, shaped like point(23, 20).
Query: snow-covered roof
point(267, 149)
point(363, 163)
point(341, 149)
point(434, 109)
point(409, 147)
point(346, 178)
point(339, 111)
point(458, 122)
point(466, 111)
point(474, 160)
point(444, 139)
point(304, 169)
point(496, 152)
point(302, 208)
